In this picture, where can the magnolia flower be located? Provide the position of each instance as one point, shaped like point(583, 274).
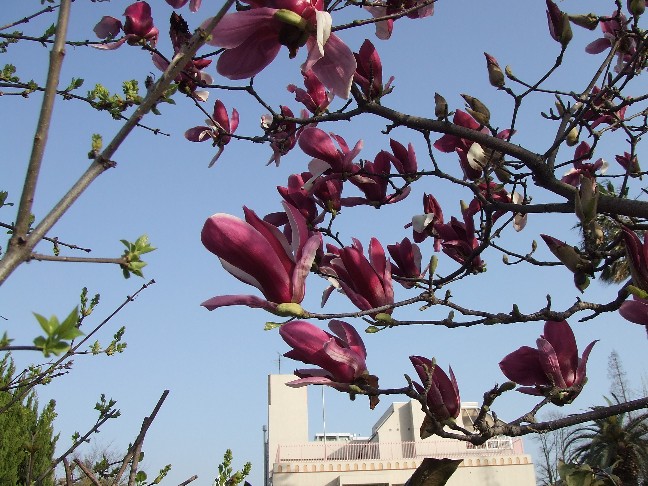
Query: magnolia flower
point(283, 134)
point(194, 5)
point(315, 98)
point(583, 152)
point(554, 370)
point(137, 28)
point(407, 262)
point(372, 180)
point(219, 128)
point(295, 195)
point(497, 193)
point(341, 355)
point(459, 242)
point(472, 157)
point(629, 163)
point(423, 224)
point(368, 73)
point(318, 144)
point(637, 253)
point(252, 39)
point(601, 109)
point(366, 282)
point(443, 396)
point(613, 30)
point(192, 74)
point(404, 159)
point(384, 28)
point(636, 311)
point(257, 253)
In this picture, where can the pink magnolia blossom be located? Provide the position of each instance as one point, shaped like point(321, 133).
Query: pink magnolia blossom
point(601, 111)
point(384, 28)
point(629, 163)
point(637, 253)
point(471, 155)
point(219, 129)
point(459, 242)
point(423, 225)
point(497, 193)
point(192, 74)
point(366, 282)
point(137, 28)
point(442, 398)
point(406, 258)
point(315, 98)
point(194, 5)
point(282, 133)
point(257, 253)
point(295, 195)
point(615, 29)
point(636, 311)
point(369, 74)
point(583, 152)
point(372, 180)
point(252, 39)
point(341, 356)
point(554, 370)
point(327, 157)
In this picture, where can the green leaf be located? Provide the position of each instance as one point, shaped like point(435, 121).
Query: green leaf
point(48, 325)
point(57, 348)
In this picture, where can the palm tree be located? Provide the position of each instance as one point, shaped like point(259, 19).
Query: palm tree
point(617, 444)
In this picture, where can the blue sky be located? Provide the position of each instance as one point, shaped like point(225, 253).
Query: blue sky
point(215, 363)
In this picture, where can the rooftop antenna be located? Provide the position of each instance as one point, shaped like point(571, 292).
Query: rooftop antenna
point(279, 361)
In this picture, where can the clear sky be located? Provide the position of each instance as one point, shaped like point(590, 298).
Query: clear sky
point(215, 363)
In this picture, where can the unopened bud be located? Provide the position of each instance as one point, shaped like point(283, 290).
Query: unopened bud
point(586, 200)
point(440, 106)
point(572, 137)
point(291, 18)
point(589, 21)
point(636, 7)
point(290, 309)
point(495, 74)
point(508, 386)
point(477, 109)
point(383, 317)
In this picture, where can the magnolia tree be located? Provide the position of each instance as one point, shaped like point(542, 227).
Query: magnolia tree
point(470, 154)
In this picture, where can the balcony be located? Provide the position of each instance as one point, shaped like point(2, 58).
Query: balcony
point(383, 451)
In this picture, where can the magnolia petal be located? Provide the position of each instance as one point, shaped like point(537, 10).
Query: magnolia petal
point(598, 46)
point(336, 68)
point(237, 27)
point(522, 366)
point(303, 266)
point(550, 363)
point(581, 371)
point(476, 157)
point(347, 333)
point(562, 340)
point(107, 27)
point(635, 311)
point(247, 300)
point(249, 58)
point(348, 364)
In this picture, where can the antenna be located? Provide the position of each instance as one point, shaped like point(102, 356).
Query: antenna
point(278, 360)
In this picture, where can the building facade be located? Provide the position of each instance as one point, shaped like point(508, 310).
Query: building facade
point(388, 457)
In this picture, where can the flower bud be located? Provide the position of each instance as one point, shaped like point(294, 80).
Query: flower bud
point(290, 309)
point(636, 7)
point(495, 74)
point(572, 137)
point(589, 21)
point(291, 18)
point(477, 109)
point(586, 199)
point(559, 26)
point(440, 106)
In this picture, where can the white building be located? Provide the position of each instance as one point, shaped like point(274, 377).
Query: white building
point(388, 458)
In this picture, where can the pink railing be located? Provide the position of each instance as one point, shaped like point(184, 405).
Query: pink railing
point(356, 451)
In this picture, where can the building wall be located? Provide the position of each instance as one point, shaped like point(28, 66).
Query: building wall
point(515, 470)
point(396, 429)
